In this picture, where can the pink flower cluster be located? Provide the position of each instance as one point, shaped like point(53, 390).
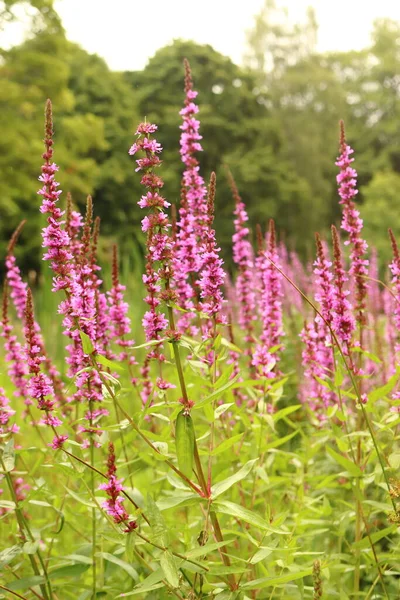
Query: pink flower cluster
point(192, 221)
point(212, 275)
point(343, 322)
point(55, 239)
point(6, 412)
point(15, 355)
point(156, 226)
point(270, 305)
point(352, 223)
point(113, 488)
point(119, 323)
point(243, 256)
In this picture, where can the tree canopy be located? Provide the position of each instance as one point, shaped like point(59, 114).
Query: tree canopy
point(273, 122)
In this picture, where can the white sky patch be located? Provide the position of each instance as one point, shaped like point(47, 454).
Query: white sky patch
point(126, 33)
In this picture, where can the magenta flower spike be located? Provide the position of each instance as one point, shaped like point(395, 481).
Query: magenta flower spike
point(212, 275)
point(156, 226)
point(323, 281)
point(243, 256)
point(193, 183)
point(352, 224)
point(55, 239)
point(113, 488)
point(6, 414)
point(40, 386)
point(317, 361)
point(15, 354)
point(343, 322)
point(119, 325)
point(270, 304)
point(394, 267)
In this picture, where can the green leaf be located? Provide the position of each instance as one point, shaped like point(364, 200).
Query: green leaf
point(224, 377)
point(235, 510)
point(184, 443)
point(26, 583)
point(216, 394)
point(158, 527)
point(280, 441)
point(262, 553)
point(284, 412)
point(344, 462)
point(230, 346)
point(171, 501)
point(68, 571)
point(114, 366)
point(226, 444)
point(147, 344)
point(7, 555)
point(8, 455)
point(150, 583)
point(204, 550)
point(221, 409)
point(369, 355)
point(384, 390)
point(30, 547)
point(168, 566)
point(221, 487)
point(78, 498)
point(271, 581)
point(87, 345)
point(121, 563)
point(394, 460)
point(224, 570)
point(375, 537)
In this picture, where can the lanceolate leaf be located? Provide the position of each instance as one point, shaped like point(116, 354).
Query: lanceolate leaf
point(170, 571)
point(221, 487)
point(184, 442)
point(344, 462)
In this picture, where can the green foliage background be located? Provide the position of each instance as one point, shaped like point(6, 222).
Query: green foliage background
point(273, 121)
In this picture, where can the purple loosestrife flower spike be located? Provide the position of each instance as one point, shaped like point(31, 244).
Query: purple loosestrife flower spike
point(317, 362)
point(55, 239)
point(159, 247)
point(196, 191)
point(119, 322)
point(13, 274)
point(192, 221)
point(212, 275)
point(243, 256)
point(352, 223)
point(40, 385)
point(270, 305)
point(18, 294)
point(394, 267)
point(323, 281)
point(6, 413)
point(155, 225)
point(15, 354)
point(114, 504)
point(73, 273)
point(343, 322)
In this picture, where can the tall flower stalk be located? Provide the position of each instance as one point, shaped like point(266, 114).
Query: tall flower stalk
point(243, 257)
point(353, 224)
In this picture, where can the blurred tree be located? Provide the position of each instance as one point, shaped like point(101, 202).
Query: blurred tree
point(94, 119)
point(381, 203)
point(238, 128)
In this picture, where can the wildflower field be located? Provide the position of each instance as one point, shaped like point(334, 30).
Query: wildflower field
point(192, 433)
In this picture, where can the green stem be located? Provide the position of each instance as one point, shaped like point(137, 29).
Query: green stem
point(3, 587)
point(93, 523)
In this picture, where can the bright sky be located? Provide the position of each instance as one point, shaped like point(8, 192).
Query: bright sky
point(128, 32)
